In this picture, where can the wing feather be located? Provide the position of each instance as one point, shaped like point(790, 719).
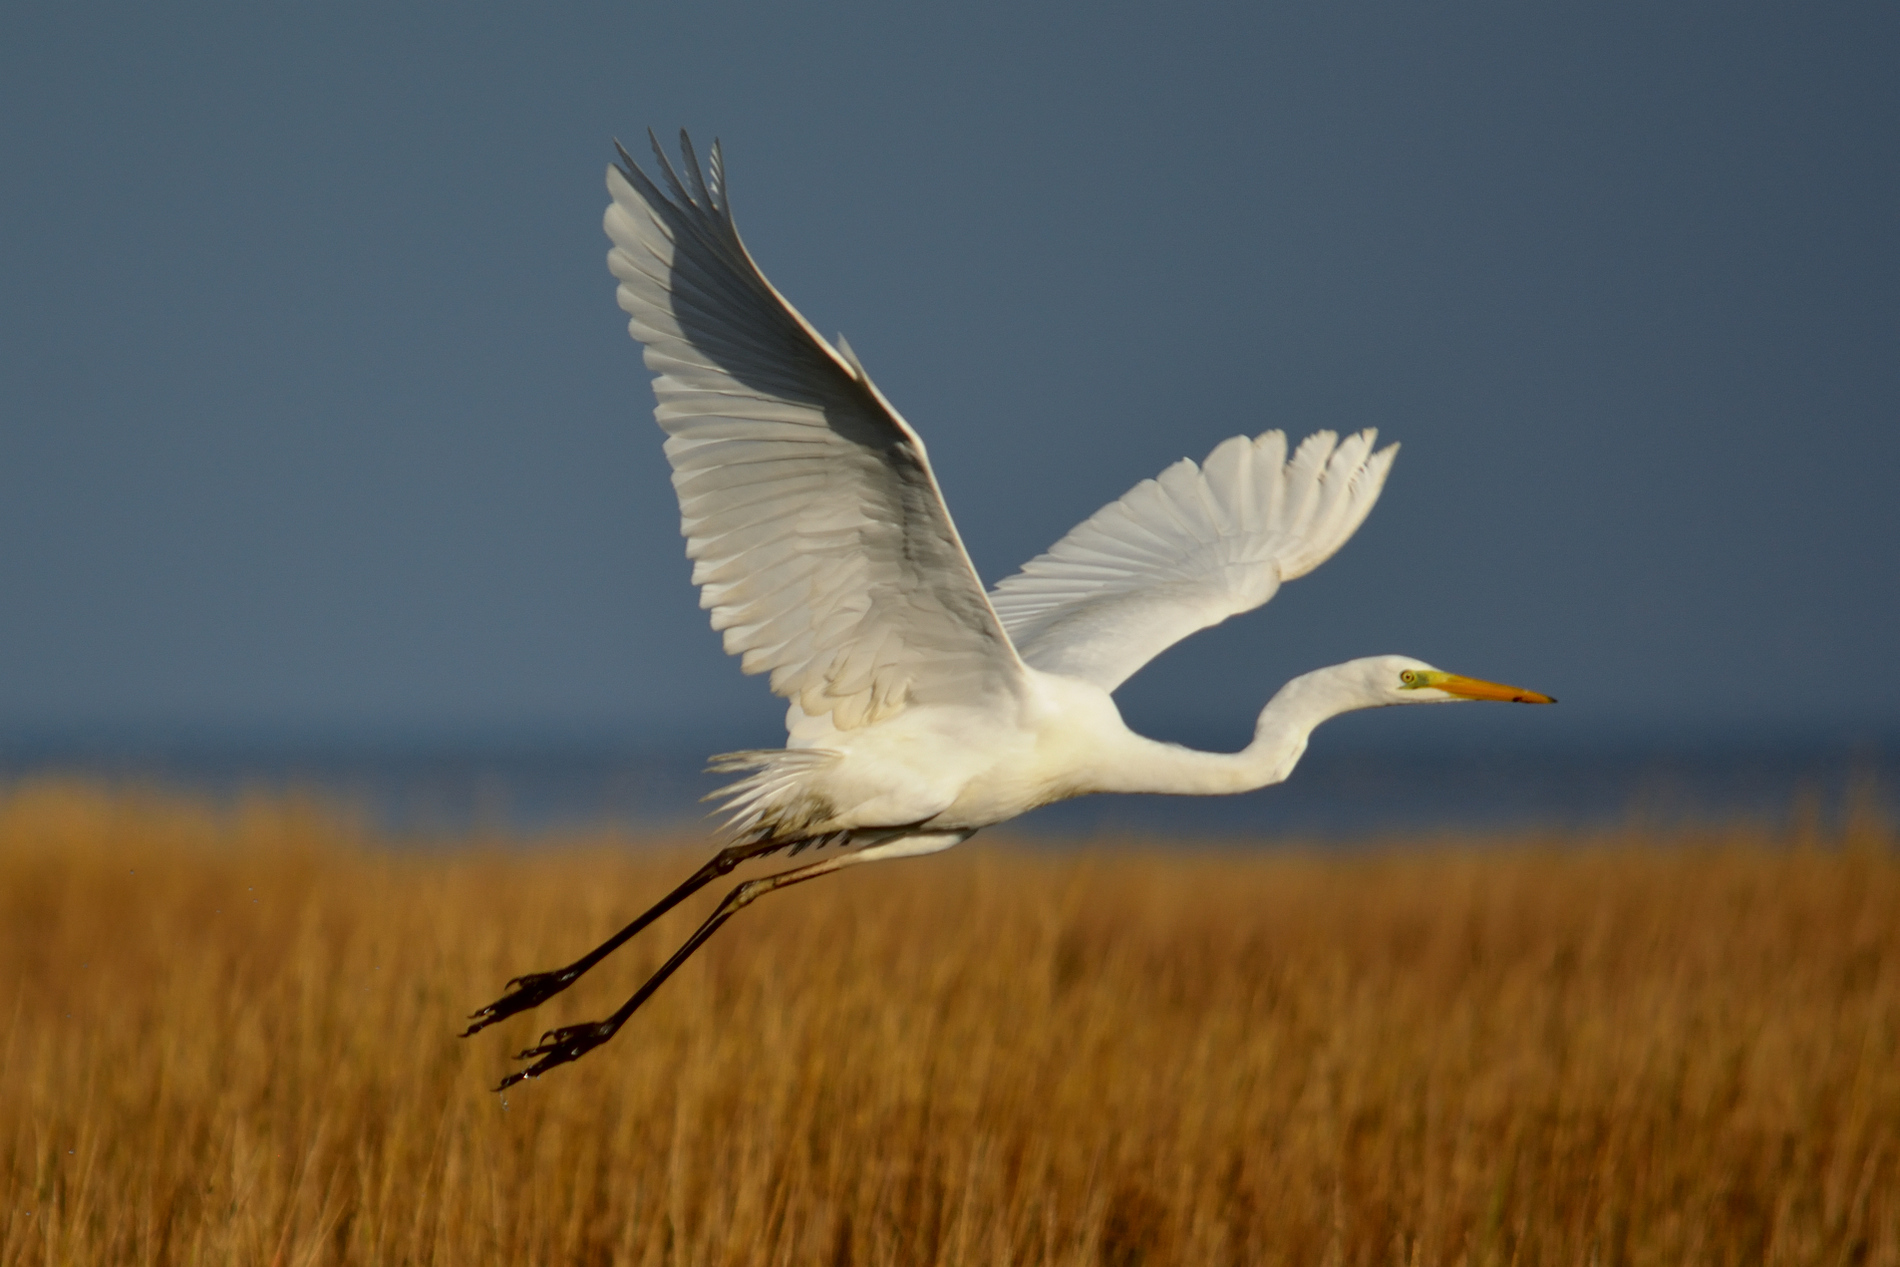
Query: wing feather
point(819, 538)
point(1188, 549)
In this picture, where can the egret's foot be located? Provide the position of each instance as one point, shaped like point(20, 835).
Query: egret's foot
point(523, 993)
point(558, 1046)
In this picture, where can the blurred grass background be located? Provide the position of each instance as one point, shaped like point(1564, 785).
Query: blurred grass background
point(228, 1036)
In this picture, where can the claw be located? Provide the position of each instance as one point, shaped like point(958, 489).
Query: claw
point(558, 1047)
point(521, 994)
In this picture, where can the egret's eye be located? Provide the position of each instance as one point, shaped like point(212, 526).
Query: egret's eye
point(1408, 677)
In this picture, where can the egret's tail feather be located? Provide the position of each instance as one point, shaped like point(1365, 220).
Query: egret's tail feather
point(774, 802)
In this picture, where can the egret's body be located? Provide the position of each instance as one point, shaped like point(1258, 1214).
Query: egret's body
point(923, 709)
point(965, 767)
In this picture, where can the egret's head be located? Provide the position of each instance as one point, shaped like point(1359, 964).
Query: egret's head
point(1402, 680)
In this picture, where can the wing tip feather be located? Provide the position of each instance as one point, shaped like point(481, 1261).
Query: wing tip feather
point(1300, 508)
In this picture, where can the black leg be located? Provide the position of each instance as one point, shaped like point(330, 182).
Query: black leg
point(558, 1046)
point(538, 987)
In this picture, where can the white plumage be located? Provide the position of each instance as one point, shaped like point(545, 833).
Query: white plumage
point(921, 709)
point(1186, 550)
point(819, 541)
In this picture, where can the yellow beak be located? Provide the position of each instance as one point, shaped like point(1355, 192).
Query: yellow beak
point(1472, 688)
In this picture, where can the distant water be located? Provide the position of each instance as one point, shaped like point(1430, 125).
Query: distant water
point(1332, 796)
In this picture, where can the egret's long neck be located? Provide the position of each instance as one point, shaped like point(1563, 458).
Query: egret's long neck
point(1279, 740)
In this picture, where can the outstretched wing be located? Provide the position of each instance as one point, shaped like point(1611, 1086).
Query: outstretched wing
point(820, 541)
point(1187, 550)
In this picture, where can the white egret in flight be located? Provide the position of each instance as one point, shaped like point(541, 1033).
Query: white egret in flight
point(923, 709)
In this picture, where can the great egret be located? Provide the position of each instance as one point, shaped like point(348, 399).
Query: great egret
point(923, 709)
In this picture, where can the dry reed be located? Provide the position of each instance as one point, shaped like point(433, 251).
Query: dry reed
point(228, 1037)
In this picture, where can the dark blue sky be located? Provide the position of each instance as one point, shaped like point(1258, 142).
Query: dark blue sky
point(320, 420)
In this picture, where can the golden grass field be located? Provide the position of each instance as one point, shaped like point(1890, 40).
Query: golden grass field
point(229, 1036)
